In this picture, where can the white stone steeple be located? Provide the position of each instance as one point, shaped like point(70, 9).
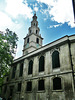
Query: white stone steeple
point(33, 40)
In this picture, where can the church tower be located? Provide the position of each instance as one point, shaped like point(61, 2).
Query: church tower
point(33, 40)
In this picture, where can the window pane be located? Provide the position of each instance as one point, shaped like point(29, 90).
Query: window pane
point(19, 87)
point(37, 40)
point(57, 83)
point(29, 86)
point(55, 59)
point(41, 64)
point(30, 67)
point(28, 40)
point(41, 85)
point(21, 69)
point(36, 31)
point(14, 71)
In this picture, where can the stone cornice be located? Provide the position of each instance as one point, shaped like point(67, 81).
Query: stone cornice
point(58, 42)
point(33, 34)
point(38, 77)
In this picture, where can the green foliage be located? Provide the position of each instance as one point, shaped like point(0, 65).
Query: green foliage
point(8, 46)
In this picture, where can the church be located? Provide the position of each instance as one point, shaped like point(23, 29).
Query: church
point(42, 72)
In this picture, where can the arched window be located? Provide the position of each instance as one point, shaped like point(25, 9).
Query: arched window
point(41, 64)
point(36, 31)
point(55, 59)
point(37, 40)
point(57, 83)
point(14, 72)
point(28, 40)
point(30, 69)
point(21, 69)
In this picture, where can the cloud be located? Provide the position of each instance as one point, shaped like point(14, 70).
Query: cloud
point(10, 15)
point(51, 26)
point(18, 7)
point(60, 11)
point(48, 2)
point(36, 9)
point(6, 22)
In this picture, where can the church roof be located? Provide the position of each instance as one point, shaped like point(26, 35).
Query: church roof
point(49, 46)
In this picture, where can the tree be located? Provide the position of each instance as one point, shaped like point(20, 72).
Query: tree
point(8, 46)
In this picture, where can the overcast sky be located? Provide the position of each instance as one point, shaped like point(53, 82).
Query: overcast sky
point(55, 18)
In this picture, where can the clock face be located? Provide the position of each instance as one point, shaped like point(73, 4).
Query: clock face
point(37, 45)
point(27, 45)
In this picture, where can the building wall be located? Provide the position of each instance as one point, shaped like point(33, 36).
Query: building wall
point(73, 54)
point(64, 72)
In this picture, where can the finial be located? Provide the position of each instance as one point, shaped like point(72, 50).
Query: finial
point(34, 17)
point(34, 12)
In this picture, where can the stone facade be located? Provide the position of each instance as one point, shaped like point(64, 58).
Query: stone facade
point(45, 73)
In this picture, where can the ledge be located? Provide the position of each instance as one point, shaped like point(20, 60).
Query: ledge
point(57, 90)
point(39, 91)
point(48, 75)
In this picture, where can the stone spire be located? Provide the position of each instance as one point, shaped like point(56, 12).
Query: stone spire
point(34, 25)
point(33, 40)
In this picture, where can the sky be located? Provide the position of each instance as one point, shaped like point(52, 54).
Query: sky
point(55, 18)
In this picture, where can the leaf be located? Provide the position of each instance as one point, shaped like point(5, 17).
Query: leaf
point(8, 44)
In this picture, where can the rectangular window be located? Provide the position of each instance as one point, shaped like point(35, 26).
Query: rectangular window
point(41, 85)
point(13, 72)
point(19, 87)
point(57, 83)
point(29, 86)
